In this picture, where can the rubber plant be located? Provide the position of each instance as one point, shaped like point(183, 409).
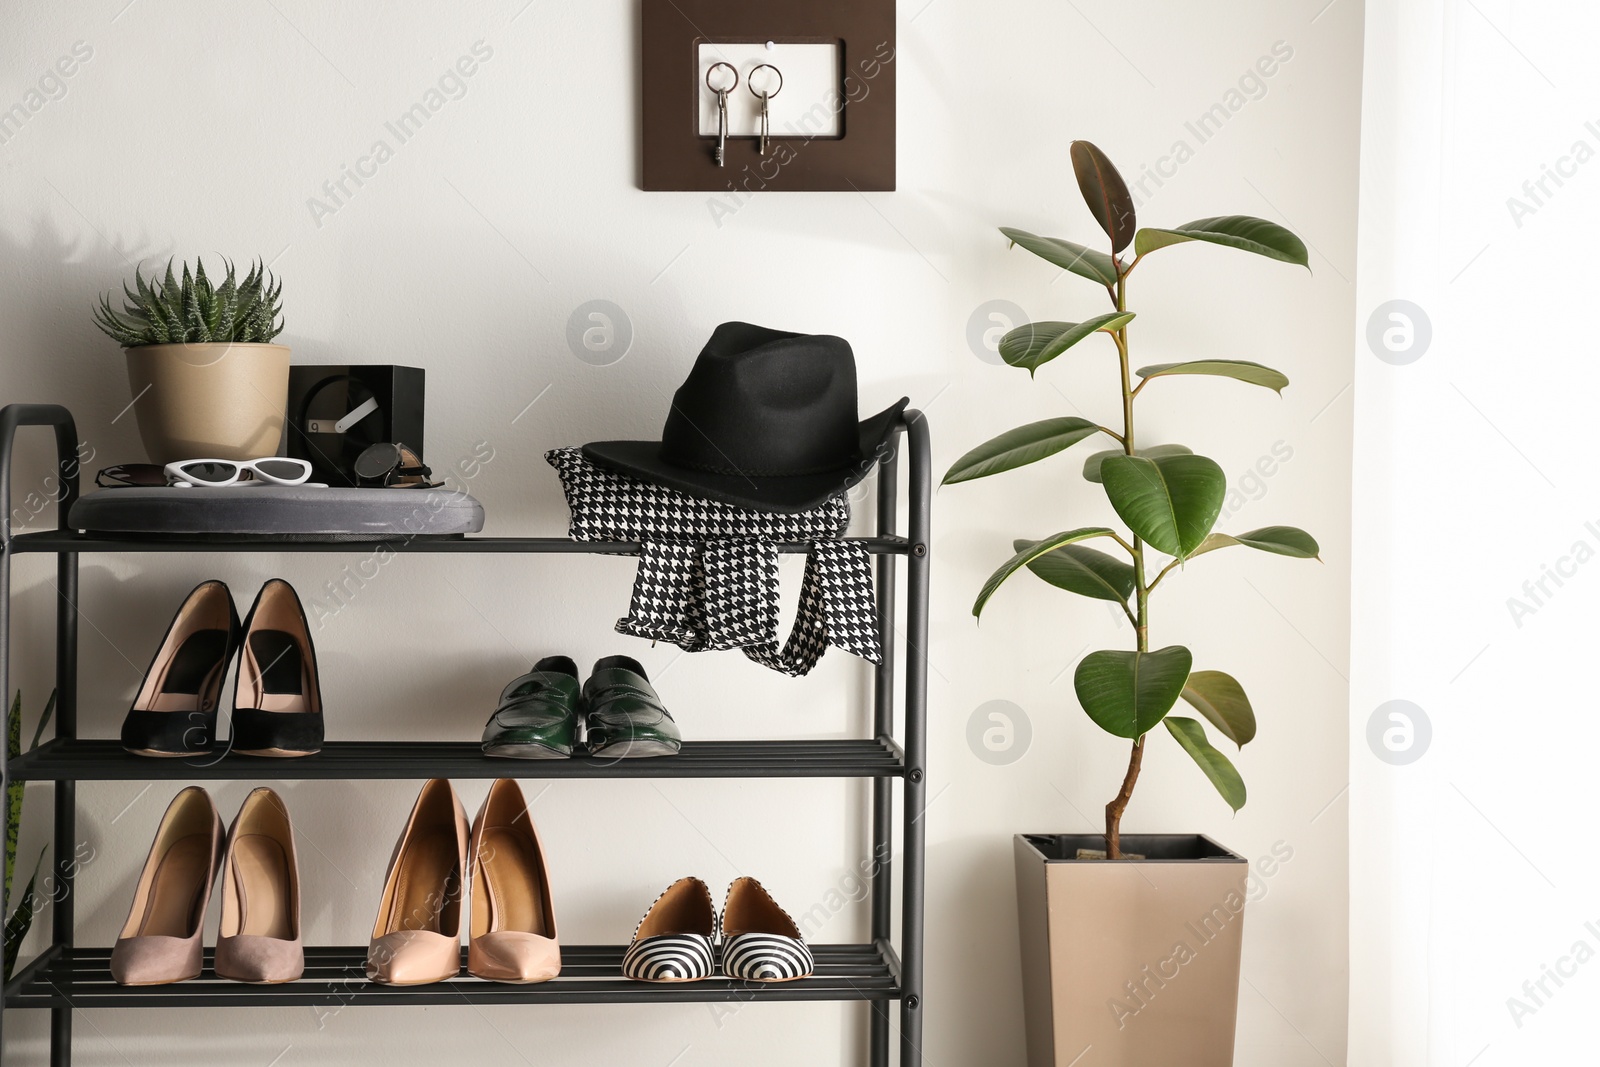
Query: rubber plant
point(19, 920)
point(1168, 496)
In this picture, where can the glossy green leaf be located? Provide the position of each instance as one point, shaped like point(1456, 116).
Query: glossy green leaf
point(1068, 255)
point(1221, 700)
point(1091, 466)
point(1127, 693)
point(1280, 540)
point(1018, 447)
point(1034, 344)
point(1105, 192)
point(1217, 767)
point(1234, 231)
point(1083, 570)
point(1238, 369)
point(1028, 555)
point(1170, 502)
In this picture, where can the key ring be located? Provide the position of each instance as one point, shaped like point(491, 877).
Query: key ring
point(721, 154)
point(750, 81)
point(731, 70)
point(764, 97)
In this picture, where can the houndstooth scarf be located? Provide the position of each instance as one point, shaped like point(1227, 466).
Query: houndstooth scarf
point(708, 571)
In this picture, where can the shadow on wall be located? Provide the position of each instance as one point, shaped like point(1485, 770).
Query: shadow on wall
point(54, 354)
point(976, 885)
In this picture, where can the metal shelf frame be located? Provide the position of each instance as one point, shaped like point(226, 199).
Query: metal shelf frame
point(885, 972)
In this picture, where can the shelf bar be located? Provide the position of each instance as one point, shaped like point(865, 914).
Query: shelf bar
point(335, 977)
point(100, 759)
point(71, 541)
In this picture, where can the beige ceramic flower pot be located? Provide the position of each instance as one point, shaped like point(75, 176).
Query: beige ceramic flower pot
point(1130, 963)
point(222, 400)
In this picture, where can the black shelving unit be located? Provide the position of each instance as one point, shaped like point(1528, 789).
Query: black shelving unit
point(885, 972)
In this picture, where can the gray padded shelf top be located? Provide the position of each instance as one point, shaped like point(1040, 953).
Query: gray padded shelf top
point(277, 510)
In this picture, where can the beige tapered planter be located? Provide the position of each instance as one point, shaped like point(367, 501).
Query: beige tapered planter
point(1130, 963)
point(222, 400)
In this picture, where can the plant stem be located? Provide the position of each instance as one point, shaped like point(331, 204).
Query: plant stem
point(1141, 618)
point(1119, 803)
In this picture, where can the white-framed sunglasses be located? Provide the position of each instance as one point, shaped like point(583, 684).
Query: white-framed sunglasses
point(211, 473)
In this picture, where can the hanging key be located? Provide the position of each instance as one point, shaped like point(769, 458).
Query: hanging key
point(722, 109)
point(766, 96)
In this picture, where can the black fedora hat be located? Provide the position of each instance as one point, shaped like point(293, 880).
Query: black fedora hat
point(766, 419)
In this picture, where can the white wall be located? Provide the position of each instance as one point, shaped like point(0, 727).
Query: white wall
point(204, 128)
point(1474, 480)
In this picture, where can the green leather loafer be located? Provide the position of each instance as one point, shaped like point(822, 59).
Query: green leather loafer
point(623, 714)
point(538, 713)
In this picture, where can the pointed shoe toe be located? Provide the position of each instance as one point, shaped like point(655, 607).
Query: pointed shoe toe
point(259, 960)
point(154, 959)
point(514, 956)
point(413, 957)
point(670, 958)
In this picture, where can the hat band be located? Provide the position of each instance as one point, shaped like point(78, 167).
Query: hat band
point(750, 472)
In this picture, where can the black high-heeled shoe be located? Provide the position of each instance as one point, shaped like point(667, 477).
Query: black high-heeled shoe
point(175, 713)
point(277, 704)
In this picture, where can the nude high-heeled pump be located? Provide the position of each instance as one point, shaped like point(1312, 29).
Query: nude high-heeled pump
point(259, 939)
point(161, 941)
point(417, 936)
point(513, 919)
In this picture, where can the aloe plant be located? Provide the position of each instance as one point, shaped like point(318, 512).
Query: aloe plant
point(191, 310)
point(19, 919)
point(1167, 496)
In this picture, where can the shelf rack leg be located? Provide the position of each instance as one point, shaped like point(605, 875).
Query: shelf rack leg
point(64, 486)
point(66, 814)
point(883, 727)
point(916, 785)
point(5, 642)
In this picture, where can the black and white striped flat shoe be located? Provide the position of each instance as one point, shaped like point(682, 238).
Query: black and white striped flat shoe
point(761, 943)
point(676, 939)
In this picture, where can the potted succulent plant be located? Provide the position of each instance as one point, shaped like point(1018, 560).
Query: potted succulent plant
point(207, 381)
point(1130, 943)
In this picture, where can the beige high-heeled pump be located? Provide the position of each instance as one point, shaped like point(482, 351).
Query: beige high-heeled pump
point(417, 936)
point(259, 939)
point(513, 918)
point(161, 941)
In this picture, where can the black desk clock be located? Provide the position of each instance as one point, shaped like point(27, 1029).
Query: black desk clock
point(335, 412)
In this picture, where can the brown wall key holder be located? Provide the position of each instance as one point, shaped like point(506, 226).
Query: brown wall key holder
point(815, 101)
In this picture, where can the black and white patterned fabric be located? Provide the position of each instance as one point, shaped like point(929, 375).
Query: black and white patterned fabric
point(708, 571)
point(670, 958)
point(766, 958)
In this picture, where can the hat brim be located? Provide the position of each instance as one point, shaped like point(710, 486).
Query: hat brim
point(782, 493)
